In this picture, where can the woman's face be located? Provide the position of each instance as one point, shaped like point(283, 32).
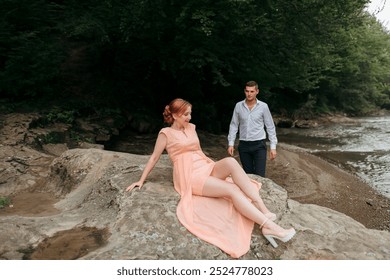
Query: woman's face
point(184, 119)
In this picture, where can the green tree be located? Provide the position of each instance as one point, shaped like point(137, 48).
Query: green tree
point(308, 55)
point(358, 86)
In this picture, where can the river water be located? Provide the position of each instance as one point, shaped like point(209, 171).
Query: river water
point(361, 147)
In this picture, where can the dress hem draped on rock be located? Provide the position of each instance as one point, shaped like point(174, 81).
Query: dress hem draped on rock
point(214, 220)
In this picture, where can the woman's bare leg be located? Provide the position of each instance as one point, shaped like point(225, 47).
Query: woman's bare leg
point(230, 167)
point(215, 187)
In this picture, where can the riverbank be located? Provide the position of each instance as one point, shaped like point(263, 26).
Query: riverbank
point(310, 179)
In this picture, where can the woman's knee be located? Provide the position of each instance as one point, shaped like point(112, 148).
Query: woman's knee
point(224, 167)
point(230, 161)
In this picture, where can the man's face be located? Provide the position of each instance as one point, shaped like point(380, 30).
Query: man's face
point(251, 93)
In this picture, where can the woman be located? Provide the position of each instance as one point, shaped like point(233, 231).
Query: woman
point(219, 202)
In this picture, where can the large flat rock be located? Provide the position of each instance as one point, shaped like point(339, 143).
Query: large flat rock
point(89, 185)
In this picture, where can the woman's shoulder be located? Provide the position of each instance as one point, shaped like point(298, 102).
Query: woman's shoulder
point(164, 130)
point(191, 127)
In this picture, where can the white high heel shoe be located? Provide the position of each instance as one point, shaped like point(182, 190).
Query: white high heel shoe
point(271, 237)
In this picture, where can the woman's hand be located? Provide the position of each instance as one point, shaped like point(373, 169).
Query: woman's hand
point(159, 147)
point(133, 185)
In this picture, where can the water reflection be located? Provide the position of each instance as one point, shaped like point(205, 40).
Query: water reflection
point(361, 147)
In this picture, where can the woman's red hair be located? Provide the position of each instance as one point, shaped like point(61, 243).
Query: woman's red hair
point(177, 106)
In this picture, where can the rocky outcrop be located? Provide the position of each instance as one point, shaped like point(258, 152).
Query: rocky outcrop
point(72, 204)
point(21, 167)
point(90, 187)
point(27, 148)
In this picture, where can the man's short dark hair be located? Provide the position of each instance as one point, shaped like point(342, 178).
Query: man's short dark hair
point(252, 84)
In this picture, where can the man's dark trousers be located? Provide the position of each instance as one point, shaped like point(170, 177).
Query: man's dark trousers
point(253, 156)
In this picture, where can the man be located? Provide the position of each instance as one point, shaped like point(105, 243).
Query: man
point(251, 117)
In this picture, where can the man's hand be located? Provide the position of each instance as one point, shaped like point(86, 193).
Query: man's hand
point(272, 154)
point(231, 150)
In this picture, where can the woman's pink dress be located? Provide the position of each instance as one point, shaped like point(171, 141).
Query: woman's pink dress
point(214, 220)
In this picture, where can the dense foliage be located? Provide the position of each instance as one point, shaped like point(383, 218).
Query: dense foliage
point(309, 56)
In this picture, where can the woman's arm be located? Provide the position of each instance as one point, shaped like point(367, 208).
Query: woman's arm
point(159, 147)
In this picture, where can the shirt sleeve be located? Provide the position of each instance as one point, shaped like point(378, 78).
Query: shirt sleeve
point(270, 126)
point(233, 128)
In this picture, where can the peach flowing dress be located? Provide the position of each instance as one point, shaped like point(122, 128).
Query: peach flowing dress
point(214, 220)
